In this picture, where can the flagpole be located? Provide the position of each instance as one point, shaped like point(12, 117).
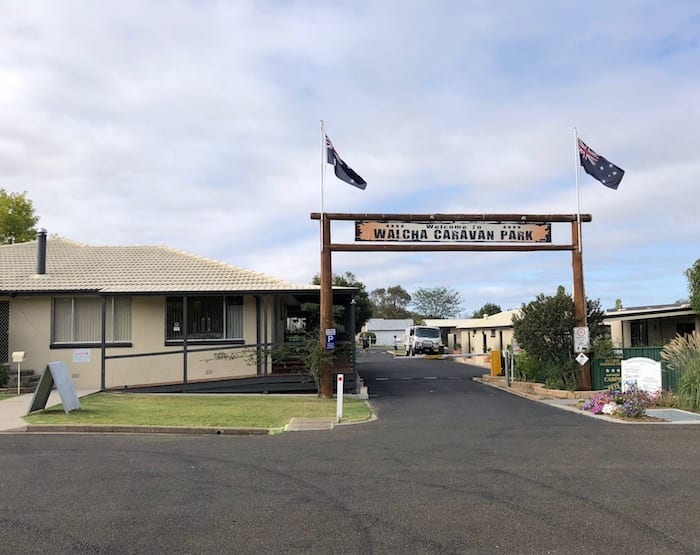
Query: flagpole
point(323, 168)
point(323, 144)
point(578, 190)
point(579, 293)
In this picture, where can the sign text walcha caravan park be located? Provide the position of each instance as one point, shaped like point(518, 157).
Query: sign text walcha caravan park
point(453, 232)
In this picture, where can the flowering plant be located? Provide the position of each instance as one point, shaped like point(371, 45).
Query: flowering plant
point(630, 403)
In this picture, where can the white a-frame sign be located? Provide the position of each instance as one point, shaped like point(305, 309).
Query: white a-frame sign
point(56, 373)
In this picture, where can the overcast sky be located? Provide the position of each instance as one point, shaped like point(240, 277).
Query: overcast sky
point(195, 125)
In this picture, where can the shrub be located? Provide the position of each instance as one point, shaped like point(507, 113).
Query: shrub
point(689, 386)
point(533, 370)
point(4, 374)
point(682, 354)
point(666, 399)
point(527, 367)
point(560, 374)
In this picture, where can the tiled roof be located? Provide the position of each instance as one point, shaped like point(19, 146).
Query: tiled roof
point(75, 267)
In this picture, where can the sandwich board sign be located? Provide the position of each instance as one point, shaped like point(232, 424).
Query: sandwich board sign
point(56, 374)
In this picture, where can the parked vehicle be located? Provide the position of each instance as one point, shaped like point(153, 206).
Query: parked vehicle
point(423, 339)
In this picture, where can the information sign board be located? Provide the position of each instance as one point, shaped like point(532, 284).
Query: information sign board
point(642, 373)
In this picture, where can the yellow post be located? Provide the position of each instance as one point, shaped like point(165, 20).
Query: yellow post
point(496, 363)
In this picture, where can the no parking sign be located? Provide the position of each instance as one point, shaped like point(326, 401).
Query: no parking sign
point(581, 339)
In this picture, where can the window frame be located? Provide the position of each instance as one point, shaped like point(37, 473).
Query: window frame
point(110, 309)
point(173, 302)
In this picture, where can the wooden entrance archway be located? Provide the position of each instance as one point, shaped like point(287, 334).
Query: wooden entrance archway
point(327, 248)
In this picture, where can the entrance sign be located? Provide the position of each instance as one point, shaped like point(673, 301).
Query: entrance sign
point(453, 232)
point(418, 233)
point(642, 373)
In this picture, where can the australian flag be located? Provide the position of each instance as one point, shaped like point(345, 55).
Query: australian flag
point(342, 170)
point(595, 165)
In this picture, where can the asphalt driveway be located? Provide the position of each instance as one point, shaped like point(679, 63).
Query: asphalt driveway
point(449, 466)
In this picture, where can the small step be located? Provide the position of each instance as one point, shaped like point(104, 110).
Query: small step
point(28, 380)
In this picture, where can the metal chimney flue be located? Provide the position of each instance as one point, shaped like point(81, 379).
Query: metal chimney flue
point(41, 251)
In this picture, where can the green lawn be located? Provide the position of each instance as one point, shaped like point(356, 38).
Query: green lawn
point(6, 395)
point(225, 411)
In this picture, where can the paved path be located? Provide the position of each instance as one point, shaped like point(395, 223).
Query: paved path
point(13, 409)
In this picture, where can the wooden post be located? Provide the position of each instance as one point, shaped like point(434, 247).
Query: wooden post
point(580, 297)
point(326, 316)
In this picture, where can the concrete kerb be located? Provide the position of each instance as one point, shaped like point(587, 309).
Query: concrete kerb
point(567, 400)
point(103, 429)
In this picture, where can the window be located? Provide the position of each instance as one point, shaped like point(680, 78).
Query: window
point(79, 320)
point(215, 318)
point(640, 333)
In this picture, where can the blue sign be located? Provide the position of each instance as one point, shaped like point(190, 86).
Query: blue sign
point(330, 342)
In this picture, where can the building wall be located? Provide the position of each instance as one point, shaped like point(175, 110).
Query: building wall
point(30, 331)
point(386, 337)
point(659, 330)
point(473, 340)
point(385, 329)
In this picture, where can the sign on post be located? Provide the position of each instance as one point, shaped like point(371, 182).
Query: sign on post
point(18, 357)
point(453, 232)
point(330, 339)
point(581, 339)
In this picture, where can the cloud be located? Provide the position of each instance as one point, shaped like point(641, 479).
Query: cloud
point(197, 125)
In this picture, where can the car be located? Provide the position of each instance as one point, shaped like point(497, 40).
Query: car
point(423, 340)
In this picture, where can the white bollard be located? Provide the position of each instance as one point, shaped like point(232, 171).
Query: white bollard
point(339, 397)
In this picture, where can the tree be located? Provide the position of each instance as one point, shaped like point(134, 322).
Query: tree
point(437, 302)
point(487, 310)
point(693, 275)
point(544, 329)
point(363, 306)
point(17, 219)
point(391, 303)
